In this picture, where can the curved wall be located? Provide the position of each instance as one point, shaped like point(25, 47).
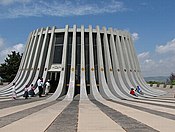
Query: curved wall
point(100, 62)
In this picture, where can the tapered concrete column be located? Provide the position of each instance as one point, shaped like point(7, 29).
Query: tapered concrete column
point(27, 76)
point(93, 86)
point(122, 61)
point(127, 62)
point(30, 61)
point(131, 61)
point(23, 58)
point(41, 58)
point(136, 64)
point(124, 57)
point(47, 63)
point(109, 69)
point(71, 88)
point(105, 90)
point(26, 58)
point(138, 71)
point(59, 90)
point(83, 92)
point(132, 71)
point(116, 68)
point(34, 62)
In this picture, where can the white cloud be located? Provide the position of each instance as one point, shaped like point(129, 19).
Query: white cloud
point(143, 55)
point(158, 67)
point(148, 61)
point(3, 53)
point(62, 8)
point(19, 47)
point(135, 36)
point(1, 42)
point(169, 47)
point(160, 63)
point(9, 2)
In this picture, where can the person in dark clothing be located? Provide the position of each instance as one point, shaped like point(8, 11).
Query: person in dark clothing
point(32, 92)
point(26, 93)
point(40, 88)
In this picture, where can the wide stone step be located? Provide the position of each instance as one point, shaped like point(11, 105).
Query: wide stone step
point(85, 116)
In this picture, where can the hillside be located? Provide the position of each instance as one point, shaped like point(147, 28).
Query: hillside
point(157, 78)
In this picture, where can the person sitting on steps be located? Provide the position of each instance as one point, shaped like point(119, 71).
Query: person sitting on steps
point(31, 91)
point(26, 93)
point(132, 92)
point(138, 90)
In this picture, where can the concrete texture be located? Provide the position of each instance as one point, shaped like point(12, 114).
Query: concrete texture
point(92, 119)
point(67, 120)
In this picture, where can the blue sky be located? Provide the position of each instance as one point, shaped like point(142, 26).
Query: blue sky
point(150, 22)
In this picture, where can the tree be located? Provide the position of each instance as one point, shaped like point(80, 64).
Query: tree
point(9, 69)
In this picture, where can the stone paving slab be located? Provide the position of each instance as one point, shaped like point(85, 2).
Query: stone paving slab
point(162, 104)
point(10, 103)
point(10, 118)
point(39, 120)
point(127, 123)
point(17, 108)
point(157, 122)
point(156, 110)
point(67, 120)
point(92, 119)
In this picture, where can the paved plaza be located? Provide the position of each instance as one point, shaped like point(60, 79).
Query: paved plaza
point(39, 115)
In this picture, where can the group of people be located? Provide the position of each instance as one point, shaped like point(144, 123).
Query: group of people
point(43, 88)
point(29, 91)
point(137, 90)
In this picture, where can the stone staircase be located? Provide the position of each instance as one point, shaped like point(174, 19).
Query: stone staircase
point(39, 115)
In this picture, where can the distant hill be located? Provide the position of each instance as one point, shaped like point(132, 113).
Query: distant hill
point(157, 78)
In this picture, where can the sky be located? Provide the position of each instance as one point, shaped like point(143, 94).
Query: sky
point(150, 22)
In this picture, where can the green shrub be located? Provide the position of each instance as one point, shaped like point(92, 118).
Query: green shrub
point(173, 82)
point(1, 83)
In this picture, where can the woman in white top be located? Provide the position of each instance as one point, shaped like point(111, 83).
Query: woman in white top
point(47, 87)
